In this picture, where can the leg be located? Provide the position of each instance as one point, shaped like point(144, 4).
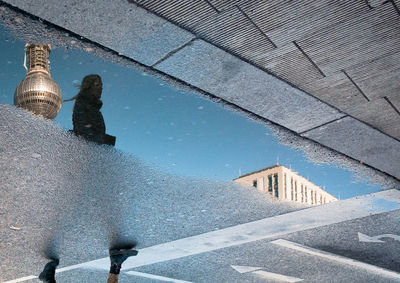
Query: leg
point(112, 278)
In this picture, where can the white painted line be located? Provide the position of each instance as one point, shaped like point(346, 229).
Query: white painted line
point(266, 228)
point(341, 259)
point(245, 269)
point(376, 239)
point(276, 276)
point(365, 238)
point(22, 279)
point(80, 265)
point(156, 277)
point(264, 274)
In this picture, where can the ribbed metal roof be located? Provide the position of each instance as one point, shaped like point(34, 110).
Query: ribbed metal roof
point(221, 5)
point(233, 31)
point(186, 13)
point(289, 63)
point(285, 21)
point(336, 90)
point(367, 37)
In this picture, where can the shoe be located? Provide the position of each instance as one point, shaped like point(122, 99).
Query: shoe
point(49, 271)
point(118, 256)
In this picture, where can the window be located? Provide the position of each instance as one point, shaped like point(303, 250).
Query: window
point(270, 183)
point(285, 185)
point(291, 188)
point(275, 181)
point(255, 183)
point(295, 190)
point(302, 193)
point(305, 194)
point(312, 197)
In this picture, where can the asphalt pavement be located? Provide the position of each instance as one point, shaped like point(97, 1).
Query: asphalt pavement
point(62, 194)
point(72, 198)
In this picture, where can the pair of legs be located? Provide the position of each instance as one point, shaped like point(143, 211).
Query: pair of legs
point(117, 257)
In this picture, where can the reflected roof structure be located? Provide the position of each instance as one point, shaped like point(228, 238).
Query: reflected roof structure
point(337, 72)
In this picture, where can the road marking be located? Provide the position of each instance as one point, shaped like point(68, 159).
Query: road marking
point(22, 279)
point(376, 239)
point(341, 259)
point(156, 277)
point(266, 228)
point(265, 274)
point(245, 269)
point(276, 276)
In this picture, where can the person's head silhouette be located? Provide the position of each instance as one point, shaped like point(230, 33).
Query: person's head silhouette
point(91, 85)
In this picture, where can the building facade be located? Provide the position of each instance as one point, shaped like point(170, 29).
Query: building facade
point(287, 185)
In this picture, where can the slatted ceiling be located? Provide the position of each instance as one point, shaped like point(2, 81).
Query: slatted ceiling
point(379, 114)
point(269, 15)
point(221, 5)
point(364, 38)
point(289, 63)
point(275, 53)
point(287, 21)
point(336, 90)
point(375, 3)
point(186, 13)
point(379, 77)
point(233, 31)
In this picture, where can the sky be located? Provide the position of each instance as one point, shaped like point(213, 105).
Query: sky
point(181, 132)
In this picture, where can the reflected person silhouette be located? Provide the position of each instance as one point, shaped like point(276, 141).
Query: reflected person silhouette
point(117, 256)
point(87, 118)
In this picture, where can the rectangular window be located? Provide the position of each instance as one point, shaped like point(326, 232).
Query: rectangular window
point(291, 189)
point(295, 190)
point(285, 185)
point(275, 181)
point(305, 194)
point(320, 199)
point(302, 193)
point(270, 183)
point(312, 197)
point(276, 185)
point(255, 183)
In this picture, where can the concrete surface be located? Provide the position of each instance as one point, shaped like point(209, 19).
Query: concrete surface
point(215, 71)
point(357, 139)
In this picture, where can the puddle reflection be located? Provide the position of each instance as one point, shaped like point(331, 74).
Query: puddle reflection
point(182, 132)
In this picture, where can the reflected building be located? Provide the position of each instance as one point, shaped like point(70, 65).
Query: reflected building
point(287, 185)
